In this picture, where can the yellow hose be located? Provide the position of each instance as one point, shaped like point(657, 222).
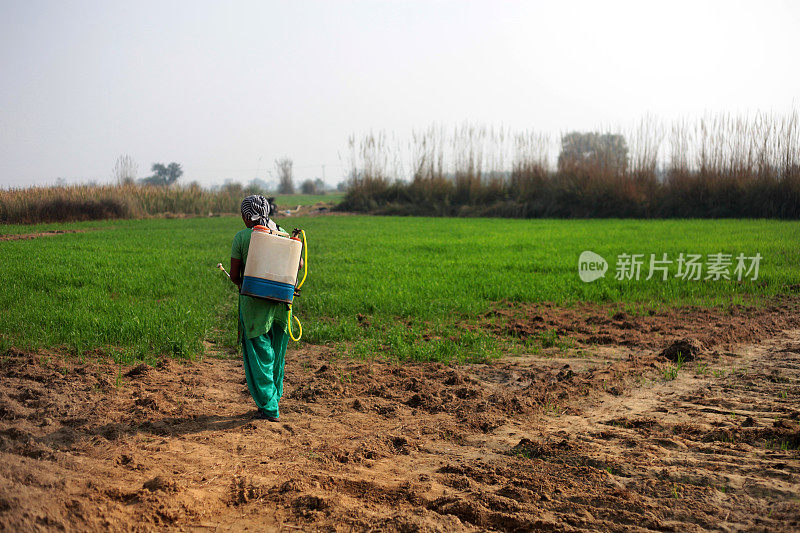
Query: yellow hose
point(305, 273)
point(298, 325)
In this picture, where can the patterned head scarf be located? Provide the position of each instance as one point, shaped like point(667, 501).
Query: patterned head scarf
point(256, 208)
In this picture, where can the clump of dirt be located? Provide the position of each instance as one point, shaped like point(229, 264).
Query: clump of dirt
point(138, 370)
point(160, 483)
point(527, 448)
point(682, 350)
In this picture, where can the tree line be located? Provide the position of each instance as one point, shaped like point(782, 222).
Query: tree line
point(126, 172)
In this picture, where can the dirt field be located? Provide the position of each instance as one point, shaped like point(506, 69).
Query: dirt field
point(606, 435)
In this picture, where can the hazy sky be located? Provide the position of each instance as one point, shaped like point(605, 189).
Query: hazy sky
point(224, 88)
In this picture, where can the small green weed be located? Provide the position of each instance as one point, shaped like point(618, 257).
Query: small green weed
point(553, 408)
point(671, 372)
point(525, 453)
point(783, 444)
point(549, 338)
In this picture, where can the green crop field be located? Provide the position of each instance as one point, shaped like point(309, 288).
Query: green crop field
point(291, 201)
point(140, 289)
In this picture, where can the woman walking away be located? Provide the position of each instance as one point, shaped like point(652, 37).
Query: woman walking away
point(263, 324)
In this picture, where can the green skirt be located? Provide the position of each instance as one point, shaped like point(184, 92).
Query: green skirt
point(264, 357)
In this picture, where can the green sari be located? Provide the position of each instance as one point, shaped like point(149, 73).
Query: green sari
point(264, 336)
point(264, 358)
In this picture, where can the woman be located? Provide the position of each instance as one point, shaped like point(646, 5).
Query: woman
point(263, 325)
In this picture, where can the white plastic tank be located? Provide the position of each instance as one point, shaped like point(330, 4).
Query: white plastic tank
point(272, 262)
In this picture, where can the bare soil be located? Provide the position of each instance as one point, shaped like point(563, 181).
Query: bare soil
point(29, 236)
point(592, 324)
point(607, 435)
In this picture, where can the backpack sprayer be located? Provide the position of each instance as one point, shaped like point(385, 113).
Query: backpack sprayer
point(271, 269)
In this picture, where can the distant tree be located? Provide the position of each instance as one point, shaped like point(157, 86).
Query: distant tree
point(257, 186)
point(285, 176)
point(308, 187)
point(164, 175)
point(341, 186)
point(592, 151)
point(125, 170)
point(316, 186)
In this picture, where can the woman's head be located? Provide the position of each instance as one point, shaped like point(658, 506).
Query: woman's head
point(255, 210)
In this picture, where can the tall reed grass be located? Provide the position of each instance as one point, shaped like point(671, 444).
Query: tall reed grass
point(92, 202)
point(716, 166)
